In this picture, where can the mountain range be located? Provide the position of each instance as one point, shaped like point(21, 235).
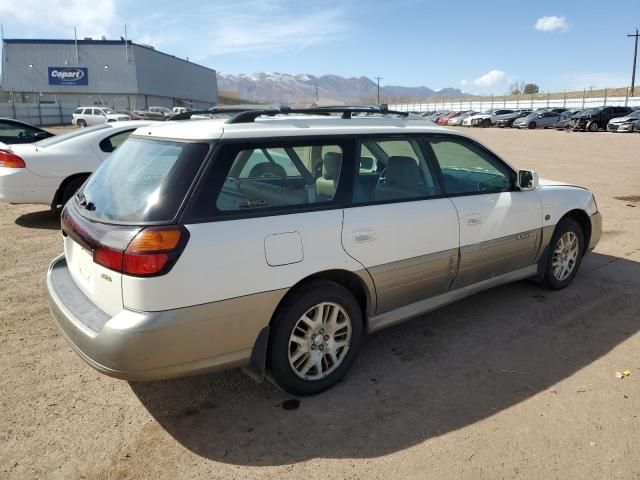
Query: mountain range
point(331, 89)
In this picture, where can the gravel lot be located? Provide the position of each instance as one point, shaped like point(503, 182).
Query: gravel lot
point(516, 382)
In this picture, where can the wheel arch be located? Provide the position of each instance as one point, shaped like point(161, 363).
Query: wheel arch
point(582, 218)
point(356, 284)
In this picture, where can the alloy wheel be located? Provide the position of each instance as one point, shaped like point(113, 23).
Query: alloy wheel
point(320, 341)
point(565, 256)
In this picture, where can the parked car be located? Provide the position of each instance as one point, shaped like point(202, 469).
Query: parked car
point(594, 119)
point(50, 171)
point(131, 115)
point(628, 123)
point(176, 110)
point(160, 113)
point(456, 121)
point(537, 119)
point(506, 120)
point(486, 119)
point(88, 116)
point(14, 131)
point(565, 118)
point(300, 251)
point(442, 120)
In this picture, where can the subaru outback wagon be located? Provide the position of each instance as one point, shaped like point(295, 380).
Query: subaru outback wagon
point(276, 242)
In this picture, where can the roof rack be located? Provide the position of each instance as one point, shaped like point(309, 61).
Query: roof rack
point(347, 111)
point(219, 110)
point(249, 113)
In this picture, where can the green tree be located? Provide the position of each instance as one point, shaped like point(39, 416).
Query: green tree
point(531, 88)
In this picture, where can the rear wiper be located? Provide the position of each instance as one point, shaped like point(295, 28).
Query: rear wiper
point(84, 203)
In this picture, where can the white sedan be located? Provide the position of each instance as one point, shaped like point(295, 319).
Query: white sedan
point(51, 171)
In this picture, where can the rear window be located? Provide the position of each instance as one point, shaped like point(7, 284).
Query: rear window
point(142, 181)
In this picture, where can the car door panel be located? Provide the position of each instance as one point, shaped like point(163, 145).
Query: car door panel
point(409, 248)
point(500, 231)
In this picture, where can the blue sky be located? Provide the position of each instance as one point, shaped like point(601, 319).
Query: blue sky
point(479, 47)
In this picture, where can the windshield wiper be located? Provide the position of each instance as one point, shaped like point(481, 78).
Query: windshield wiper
point(84, 203)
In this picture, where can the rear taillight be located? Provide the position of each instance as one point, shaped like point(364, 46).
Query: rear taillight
point(153, 251)
point(10, 160)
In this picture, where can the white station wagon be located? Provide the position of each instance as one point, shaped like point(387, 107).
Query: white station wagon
point(275, 239)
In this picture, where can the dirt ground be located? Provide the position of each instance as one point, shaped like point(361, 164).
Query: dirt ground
point(516, 382)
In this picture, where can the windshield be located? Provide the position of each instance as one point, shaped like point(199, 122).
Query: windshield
point(635, 114)
point(107, 111)
point(143, 181)
point(591, 111)
point(72, 134)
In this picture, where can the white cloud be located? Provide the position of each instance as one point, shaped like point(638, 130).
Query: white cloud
point(92, 18)
point(247, 26)
point(464, 83)
point(490, 79)
point(552, 24)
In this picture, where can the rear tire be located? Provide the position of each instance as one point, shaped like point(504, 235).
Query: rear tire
point(593, 126)
point(82, 123)
point(71, 188)
point(564, 255)
point(315, 338)
point(532, 125)
point(486, 123)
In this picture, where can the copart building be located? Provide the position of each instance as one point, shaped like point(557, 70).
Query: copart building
point(116, 73)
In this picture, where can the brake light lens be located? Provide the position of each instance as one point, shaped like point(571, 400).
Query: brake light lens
point(151, 252)
point(11, 160)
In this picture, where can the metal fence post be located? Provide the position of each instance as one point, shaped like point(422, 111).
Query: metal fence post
point(60, 110)
point(584, 93)
point(547, 98)
point(517, 101)
point(564, 101)
point(605, 97)
point(532, 101)
point(491, 102)
point(626, 98)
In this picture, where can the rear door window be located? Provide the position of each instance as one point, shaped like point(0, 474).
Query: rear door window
point(393, 170)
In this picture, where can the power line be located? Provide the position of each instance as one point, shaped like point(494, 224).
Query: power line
point(635, 58)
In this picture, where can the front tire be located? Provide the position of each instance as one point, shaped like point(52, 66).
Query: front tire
point(593, 126)
point(565, 254)
point(82, 123)
point(532, 125)
point(315, 338)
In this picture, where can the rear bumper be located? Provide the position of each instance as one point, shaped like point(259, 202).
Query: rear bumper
point(596, 230)
point(156, 345)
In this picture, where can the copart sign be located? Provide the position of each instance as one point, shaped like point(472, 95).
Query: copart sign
point(68, 76)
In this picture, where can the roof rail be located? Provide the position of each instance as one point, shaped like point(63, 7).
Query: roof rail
point(248, 116)
point(229, 110)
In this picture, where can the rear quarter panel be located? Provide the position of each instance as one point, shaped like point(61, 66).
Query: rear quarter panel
point(226, 259)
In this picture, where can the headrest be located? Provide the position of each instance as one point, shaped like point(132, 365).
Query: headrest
point(267, 169)
point(331, 165)
point(403, 171)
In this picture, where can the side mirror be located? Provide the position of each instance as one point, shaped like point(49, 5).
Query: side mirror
point(527, 180)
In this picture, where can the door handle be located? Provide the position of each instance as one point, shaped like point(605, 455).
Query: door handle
point(364, 235)
point(473, 219)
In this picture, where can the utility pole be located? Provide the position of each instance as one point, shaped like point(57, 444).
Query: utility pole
point(635, 58)
point(378, 79)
